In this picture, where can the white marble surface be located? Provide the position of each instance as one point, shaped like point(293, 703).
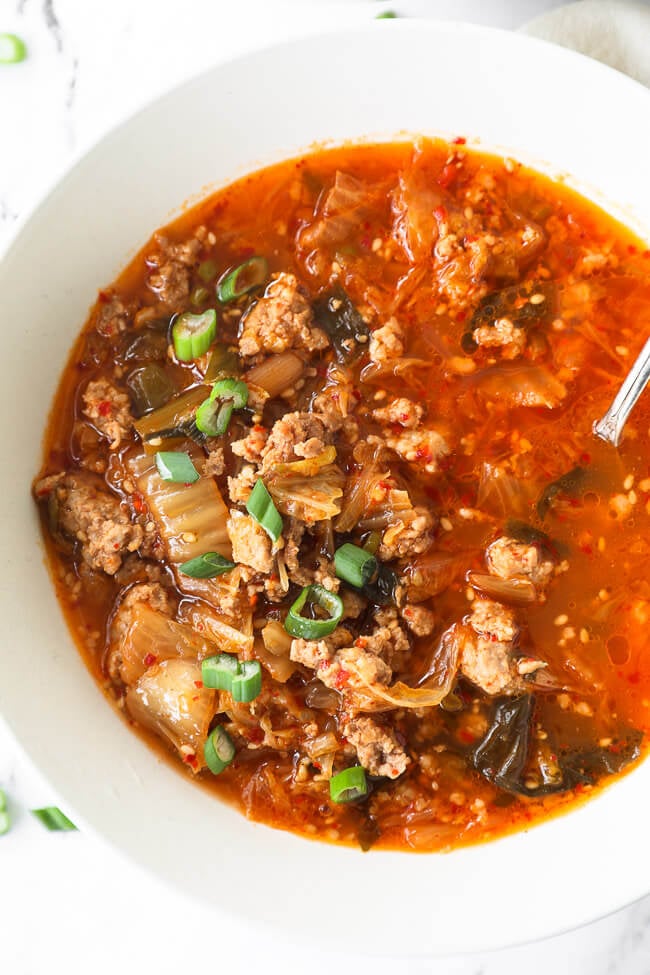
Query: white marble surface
point(67, 900)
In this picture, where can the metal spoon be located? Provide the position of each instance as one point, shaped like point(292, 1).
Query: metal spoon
point(610, 427)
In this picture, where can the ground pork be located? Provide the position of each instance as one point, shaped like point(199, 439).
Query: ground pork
point(354, 604)
point(112, 316)
point(170, 270)
point(487, 648)
point(109, 410)
point(420, 620)
point(337, 398)
point(214, 464)
point(508, 558)
point(339, 668)
point(251, 446)
point(388, 640)
point(151, 593)
point(294, 437)
point(503, 335)
point(86, 512)
point(411, 534)
point(240, 486)
point(387, 342)
point(403, 412)
point(424, 446)
point(377, 747)
point(250, 543)
point(281, 320)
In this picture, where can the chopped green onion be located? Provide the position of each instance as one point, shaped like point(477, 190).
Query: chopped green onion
point(251, 274)
point(217, 672)
point(207, 270)
point(175, 465)
point(233, 389)
point(354, 565)
point(371, 542)
point(261, 507)
point(5, 822)
point(199, 296)
point(348, 785)
point(53, 819)
point(247, 684)
point(224, 672)
point(213, 416)
point(313, 629)
point(206, 566)
point(218, 750)
point(387, 15)
point(193, 335)
point(12, 49)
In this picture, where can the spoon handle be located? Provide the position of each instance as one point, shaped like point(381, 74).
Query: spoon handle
point(610, 427)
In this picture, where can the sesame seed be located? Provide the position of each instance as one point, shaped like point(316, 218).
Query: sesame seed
point(568, 633)
point(584, 635)
point(150, 527)
point(603, 595)
point(470, 594)
point(605, 742)
point(631, 497)
point(601, 544)
point(537, 299)
point(644, 485)
point(561, 619)
point(446, 525)
point(628, 482)
point(584, 709)
point(622, 350)
point(509, 165)
point(376, 244)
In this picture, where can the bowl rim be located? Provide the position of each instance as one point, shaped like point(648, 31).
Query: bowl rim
point(84, 156)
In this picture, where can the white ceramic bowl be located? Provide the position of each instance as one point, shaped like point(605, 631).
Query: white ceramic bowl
point(546, 105)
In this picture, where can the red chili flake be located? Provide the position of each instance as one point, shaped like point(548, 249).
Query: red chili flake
point(384, 485)
point(138, 503)
point(404, 417)
point(116, 546)
point(150, 659)
point(460, 140)
point(585, 458)
point(341, 678)
point(466, 736)
point(255, 735)
point(423, 454)
point(191, 760)
point(631, 249)
point(440, 213)
point(198, 683)
point(356, 393)
point(317, 765)
point(587, 549)
point(634, 678)
point(103, 296)
point(104, 408)
point(360, 642)
point(462, 315)
point(447, 176)
point(646, 254)
point(365, 242)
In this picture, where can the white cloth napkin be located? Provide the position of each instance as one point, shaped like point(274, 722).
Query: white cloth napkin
point(612, 31)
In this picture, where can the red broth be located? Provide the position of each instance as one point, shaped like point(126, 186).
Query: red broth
point(456, 323)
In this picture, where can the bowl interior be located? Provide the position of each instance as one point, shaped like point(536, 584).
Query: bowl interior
point(549, 107)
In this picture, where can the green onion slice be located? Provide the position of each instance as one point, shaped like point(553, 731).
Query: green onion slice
point(53, 819)
point(354, 565)
point(313, 629)
point(193, 335)
point(177, 466)
point(218, 750)
point(247, 684)
point(387, 15)
point(213, 417)
point(251, 274)
point(217, 672)
point(206, 566)
point(224, 672)
point(5, 822)
point(261, 507)
point(12, 49)
point(233, 389)
point(348, 785)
